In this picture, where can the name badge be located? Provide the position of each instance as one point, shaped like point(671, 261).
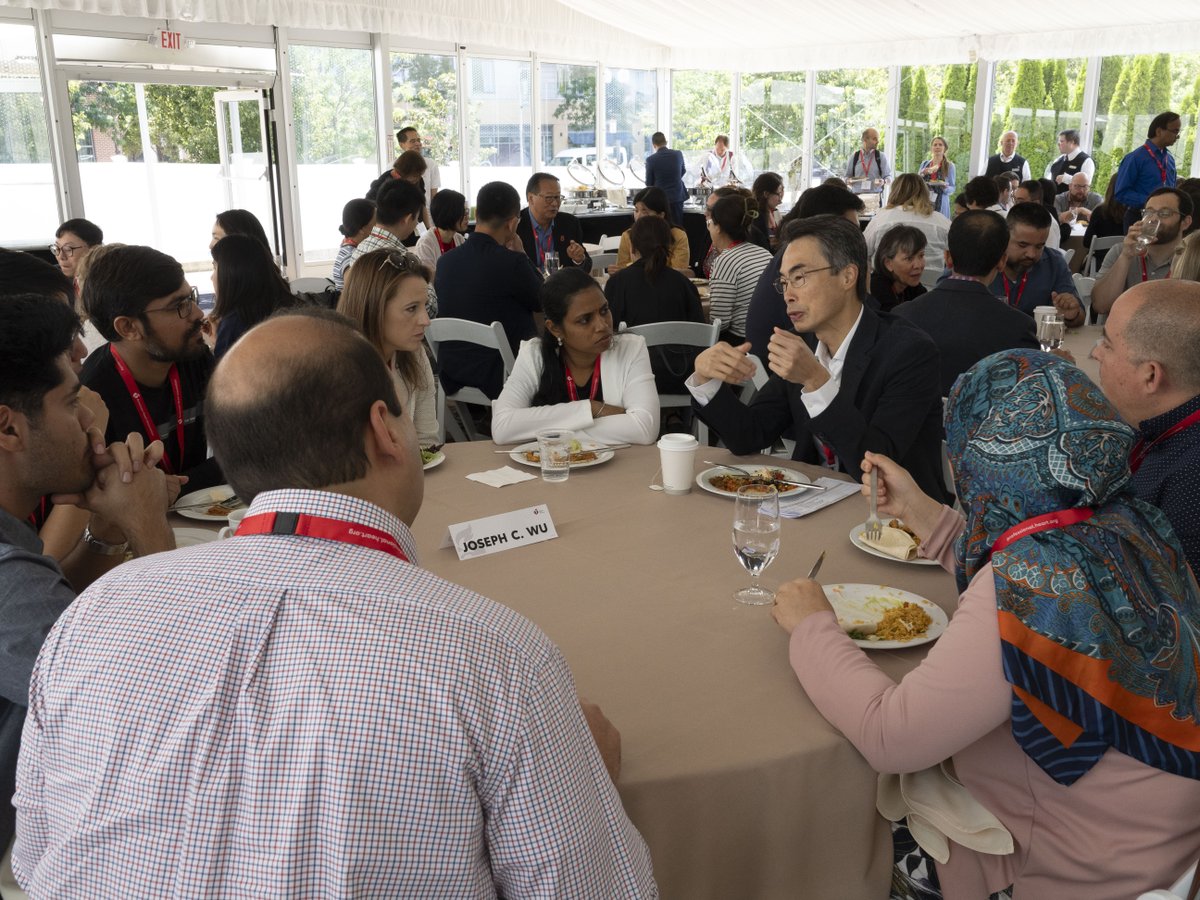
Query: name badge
point(507, 531)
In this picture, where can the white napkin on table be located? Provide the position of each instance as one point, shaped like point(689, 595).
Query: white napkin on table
point(498, 478)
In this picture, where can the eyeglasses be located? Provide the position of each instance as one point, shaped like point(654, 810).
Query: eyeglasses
point(551, 198)
point(181, 307)
point(1166, 213)
point(795, 281)
point(65, 251)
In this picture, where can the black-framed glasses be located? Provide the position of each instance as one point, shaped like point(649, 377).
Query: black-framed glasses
point(181, 307)
point(783, 282)
point(1165, 213)
point(65, 251)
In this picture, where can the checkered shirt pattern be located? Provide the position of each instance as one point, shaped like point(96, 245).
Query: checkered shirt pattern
point(287, 716)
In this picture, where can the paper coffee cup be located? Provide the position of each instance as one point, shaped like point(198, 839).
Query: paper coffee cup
point(1040, 312)
point(677, 454)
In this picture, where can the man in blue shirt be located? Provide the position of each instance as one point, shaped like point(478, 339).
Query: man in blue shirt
point(1032, 277)
point(664, 169)
point(1149, 167)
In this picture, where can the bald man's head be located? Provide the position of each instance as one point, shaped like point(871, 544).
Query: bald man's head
point(1162, 323)
point(289, 405)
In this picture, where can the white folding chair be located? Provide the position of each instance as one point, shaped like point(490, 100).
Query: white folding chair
point(309, 285)
point(1067, 253)
point(610, 244)
point(601, 262)
point(1095, 258)
point(689, 334)
point(491, 336)
point(1083, 287)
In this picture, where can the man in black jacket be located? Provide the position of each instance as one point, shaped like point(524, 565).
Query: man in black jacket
point(964, 318)
point(871, 384)
point(543, 228)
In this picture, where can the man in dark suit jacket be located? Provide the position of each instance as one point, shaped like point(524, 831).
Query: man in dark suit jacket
point(542, 227)
point(871, 384)
point(664, 169)
point(964, 318)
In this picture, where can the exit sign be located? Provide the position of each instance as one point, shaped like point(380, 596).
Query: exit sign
point(171, 40)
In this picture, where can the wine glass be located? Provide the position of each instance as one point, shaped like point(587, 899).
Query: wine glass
point(756, 538)
point(1050, 332)
point(1148, 233)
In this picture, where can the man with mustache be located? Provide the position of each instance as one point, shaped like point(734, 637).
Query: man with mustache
point(154, 370)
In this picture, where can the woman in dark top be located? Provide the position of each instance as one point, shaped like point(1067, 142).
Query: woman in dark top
point(768, 191)
point(899, 263)
point(649, 291)
point(248, 288)
point(1107, 219)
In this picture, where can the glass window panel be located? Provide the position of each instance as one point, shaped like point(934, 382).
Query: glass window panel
point(848, 101)
point(29, 212)
point(568, 111)
point(1036, 99)
point(700, 106)
point(336, 153)
point(1135, 89)
point(935, 101)
point(424, 95)
point(499, 135)
point(631, 116)
point(772, 128)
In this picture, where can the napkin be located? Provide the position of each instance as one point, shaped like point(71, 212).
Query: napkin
point(894, 542)
point(500, 477)
point(939, 810)
point(805, 502)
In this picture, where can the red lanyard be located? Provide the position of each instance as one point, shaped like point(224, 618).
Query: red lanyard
point(865, 162)
point(572, 392)
point(1057, 519)
point(1141, 448)
point(1008, 289)
point(445, 248)
point(1162, 166)
point(139, 403)
point(1145, 274)
point(320, 527)
point(544, 246)
point(724, 160)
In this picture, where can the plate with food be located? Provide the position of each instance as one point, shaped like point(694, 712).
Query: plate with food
point(723, 481)
point(878, 617)
point(212, 504)
point(190, 537)
point(431, 459)
point(583, 454)
point(896, 536)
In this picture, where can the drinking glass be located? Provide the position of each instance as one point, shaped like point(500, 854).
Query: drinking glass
point(1050, 332)
point(551, 263)
point(756, 538)
point(554, 454)
point(1148, 233)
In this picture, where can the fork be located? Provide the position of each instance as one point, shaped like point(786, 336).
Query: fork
point(232, 498)
point(874, 529)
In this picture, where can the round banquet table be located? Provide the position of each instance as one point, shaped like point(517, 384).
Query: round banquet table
point(739, 786)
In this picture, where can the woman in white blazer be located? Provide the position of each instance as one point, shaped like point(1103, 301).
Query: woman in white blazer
point(579, 375)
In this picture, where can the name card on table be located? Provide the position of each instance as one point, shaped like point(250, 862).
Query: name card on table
point(507, 531)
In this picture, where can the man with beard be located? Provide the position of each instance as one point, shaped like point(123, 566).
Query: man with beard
point(1128, 264)
point(1031, 277)
point(1078, 201)
point(49, 445)
point(153, 372)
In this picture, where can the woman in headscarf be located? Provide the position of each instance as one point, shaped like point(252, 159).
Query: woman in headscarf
point(1065, 687)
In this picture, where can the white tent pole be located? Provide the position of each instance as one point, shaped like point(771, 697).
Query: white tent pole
point(980, 149)
point(1091, 96)
point(810, 123)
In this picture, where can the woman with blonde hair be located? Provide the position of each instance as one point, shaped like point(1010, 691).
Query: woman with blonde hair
point(385, 297)
point(1187, 259)
point(909, 204)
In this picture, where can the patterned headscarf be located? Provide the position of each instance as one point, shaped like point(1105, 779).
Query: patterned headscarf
point(1099, 620)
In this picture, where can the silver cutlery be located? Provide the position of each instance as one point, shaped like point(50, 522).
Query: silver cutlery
point(874, 529)
point(812, 573)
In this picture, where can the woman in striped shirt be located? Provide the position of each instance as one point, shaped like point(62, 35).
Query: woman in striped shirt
point(738, 267)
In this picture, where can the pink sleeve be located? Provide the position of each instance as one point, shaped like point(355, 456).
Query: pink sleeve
point(940, 545)
point(952, 699)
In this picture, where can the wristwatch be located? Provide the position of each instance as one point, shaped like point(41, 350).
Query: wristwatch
point(103, 548)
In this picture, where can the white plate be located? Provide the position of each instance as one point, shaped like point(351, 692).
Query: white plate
point(190, 537)
point(858, 542)
point(788, 475)
point(868, 602)
point(602, 456)
point(201, 500)
point(438, 459)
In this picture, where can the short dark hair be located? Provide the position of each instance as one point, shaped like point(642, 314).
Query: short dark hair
point(410, 163)
point(981, 191)
point(1186, 207)
point(88, 232)
point(658, 139)
point(242, 221)
point(397, 200)
point(1035, 215)
point(653, 198)
point(1162, 120)
point(842, 244)
point(827, 200)
point(447, 208)
point(355, 215)
point(123, 283)
point(535, 181)
point(34, 332)
point(24, 273)
point(977, 241)
point(1071, 134)
point(307, 430)
point(496, 203)
point(899, 239)
point(1034, 188)
point(1003, 184)
point(734, 215)
point(400, 135)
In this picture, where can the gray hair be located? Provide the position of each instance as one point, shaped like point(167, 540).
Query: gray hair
point(1165, 328)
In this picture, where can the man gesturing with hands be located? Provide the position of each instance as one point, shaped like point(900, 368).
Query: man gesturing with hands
point(846, 381)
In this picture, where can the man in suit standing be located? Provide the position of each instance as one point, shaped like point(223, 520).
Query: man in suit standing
point(964, 318)
point(664, 169)
point(871, 384)
point(543, 229)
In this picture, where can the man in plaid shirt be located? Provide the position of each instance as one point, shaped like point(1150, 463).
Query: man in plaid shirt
point(301, 710)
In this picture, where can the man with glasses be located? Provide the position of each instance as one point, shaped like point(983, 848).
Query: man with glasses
point(1148, 167)
point(154, 370)
point(408, 138)
point(871, 383)
point(544, 230)
point(72, 242)
point(1129, 263)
